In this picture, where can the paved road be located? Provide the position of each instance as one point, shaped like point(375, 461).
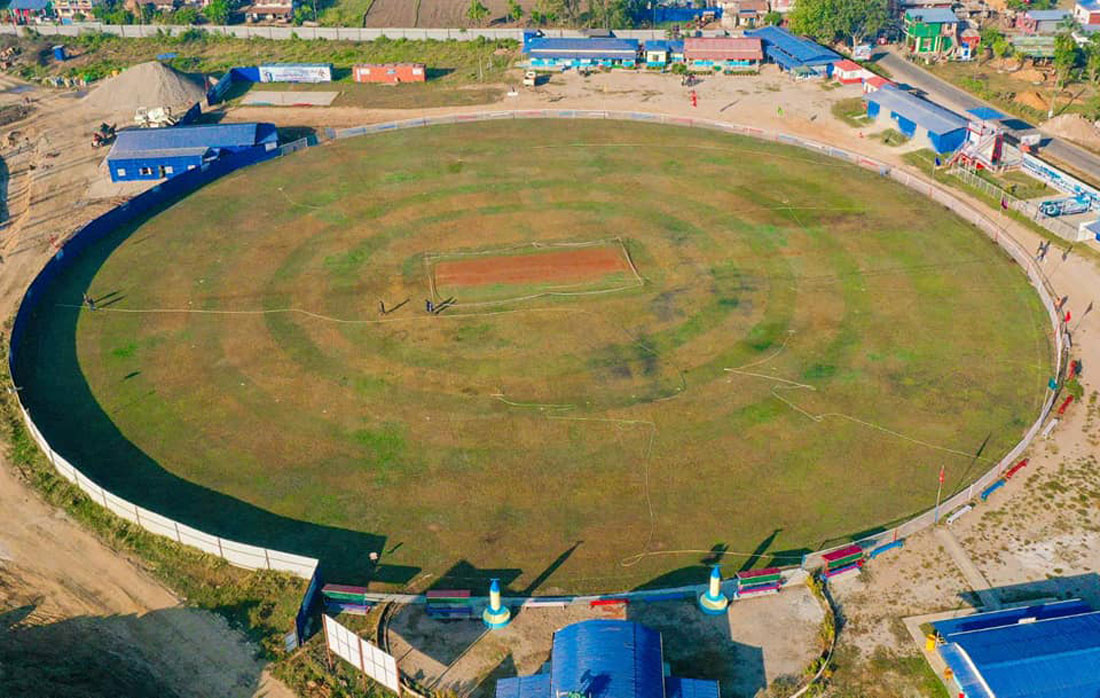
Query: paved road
point(973, 576)
point(960, 100)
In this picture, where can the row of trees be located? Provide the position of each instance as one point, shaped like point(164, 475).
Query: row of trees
point(850, 21)
point(580, 13)
point(114, 12)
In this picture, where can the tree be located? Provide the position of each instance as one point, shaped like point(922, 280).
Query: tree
point(1067, 55)
point(477, 12)
point(773, 18)
point(1092, 57)
point(217, 11)
point(185, 15)
point(515, 11)
point(1001, 46)
point(834, 20)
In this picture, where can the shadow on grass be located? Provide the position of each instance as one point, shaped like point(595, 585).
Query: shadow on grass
point(65, 410)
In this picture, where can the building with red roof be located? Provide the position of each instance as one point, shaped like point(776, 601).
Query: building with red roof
point(728, 54)
point(849, 72)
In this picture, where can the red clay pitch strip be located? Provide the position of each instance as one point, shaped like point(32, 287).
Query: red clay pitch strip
point(583, 264)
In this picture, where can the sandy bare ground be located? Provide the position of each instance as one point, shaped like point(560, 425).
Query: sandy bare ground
point(69, 604)
point(741, 649)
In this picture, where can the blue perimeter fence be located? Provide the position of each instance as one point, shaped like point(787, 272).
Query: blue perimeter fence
point(252, 557)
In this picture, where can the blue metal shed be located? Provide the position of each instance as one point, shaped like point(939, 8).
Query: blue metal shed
point(606, 659)
point(789, 51)
point(159, 153)
point(1038, 652)
point(549, 52)
point(945, 129)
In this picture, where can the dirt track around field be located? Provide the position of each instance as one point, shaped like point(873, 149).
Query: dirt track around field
point(587, 264)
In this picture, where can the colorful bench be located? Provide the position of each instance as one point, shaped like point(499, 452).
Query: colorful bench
point(449, 603)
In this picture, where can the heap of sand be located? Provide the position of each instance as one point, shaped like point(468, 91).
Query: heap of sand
point(147, 85)
point(1074, 127)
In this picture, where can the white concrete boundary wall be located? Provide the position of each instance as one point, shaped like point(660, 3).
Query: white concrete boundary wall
point(278, 33)
point(252, 557)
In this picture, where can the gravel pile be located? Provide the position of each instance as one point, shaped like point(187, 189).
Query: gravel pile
point(149, 85)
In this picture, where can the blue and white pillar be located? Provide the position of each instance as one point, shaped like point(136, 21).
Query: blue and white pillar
point(497, 614)
point(713, 602)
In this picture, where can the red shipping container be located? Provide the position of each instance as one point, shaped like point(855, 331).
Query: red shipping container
point(389, 73)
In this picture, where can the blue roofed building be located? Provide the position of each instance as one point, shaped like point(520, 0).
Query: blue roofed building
point(660, 52)
point(606, 659)
point(160, 153)
point(944, 130)
point(795, 53)
point(23, 11)
point(1044, 651)
point(550, 52)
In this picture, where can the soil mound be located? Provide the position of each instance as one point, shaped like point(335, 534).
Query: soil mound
point(1074, 127)
point(1033, 100)
point(151, 84)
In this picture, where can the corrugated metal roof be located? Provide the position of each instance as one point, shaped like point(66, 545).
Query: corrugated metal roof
point(925, 114)
point(165, 153)
point(675, 687)
point(176, 137)
point(789, 50)
point(986, 113)
point(966, 675)
point(607, 659)
point(537, 686)
point(847, 65)
point(724, 48)
point(34, 5)
point(613, 48)
point(1012, 616)
point(1048, 15)
point(932, 15)
point(1056, 658)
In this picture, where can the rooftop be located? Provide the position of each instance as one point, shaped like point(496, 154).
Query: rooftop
point(188, 139)
point(553, 47)
point(722, 48)
point(932, 15)
point(1047, 651)
point(925, 114)
point(847, 64)
point(789, 50)
point(1048, 15)
point(606, 659)
point(33, 5)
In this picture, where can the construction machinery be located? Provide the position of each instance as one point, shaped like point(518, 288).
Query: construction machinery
point(103, 135)
point(157, 117)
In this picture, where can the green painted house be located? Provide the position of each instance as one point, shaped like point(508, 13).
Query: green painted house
point(931, 32)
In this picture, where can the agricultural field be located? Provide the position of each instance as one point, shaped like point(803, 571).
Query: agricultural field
point(649, 345)
point(432, 13)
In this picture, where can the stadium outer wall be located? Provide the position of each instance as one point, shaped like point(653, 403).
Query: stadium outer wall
point(252, 557)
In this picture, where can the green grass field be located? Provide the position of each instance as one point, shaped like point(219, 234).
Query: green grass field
point(810, 343)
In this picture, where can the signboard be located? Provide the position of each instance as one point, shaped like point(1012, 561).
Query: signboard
point(372, 661)
point(296, 72)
